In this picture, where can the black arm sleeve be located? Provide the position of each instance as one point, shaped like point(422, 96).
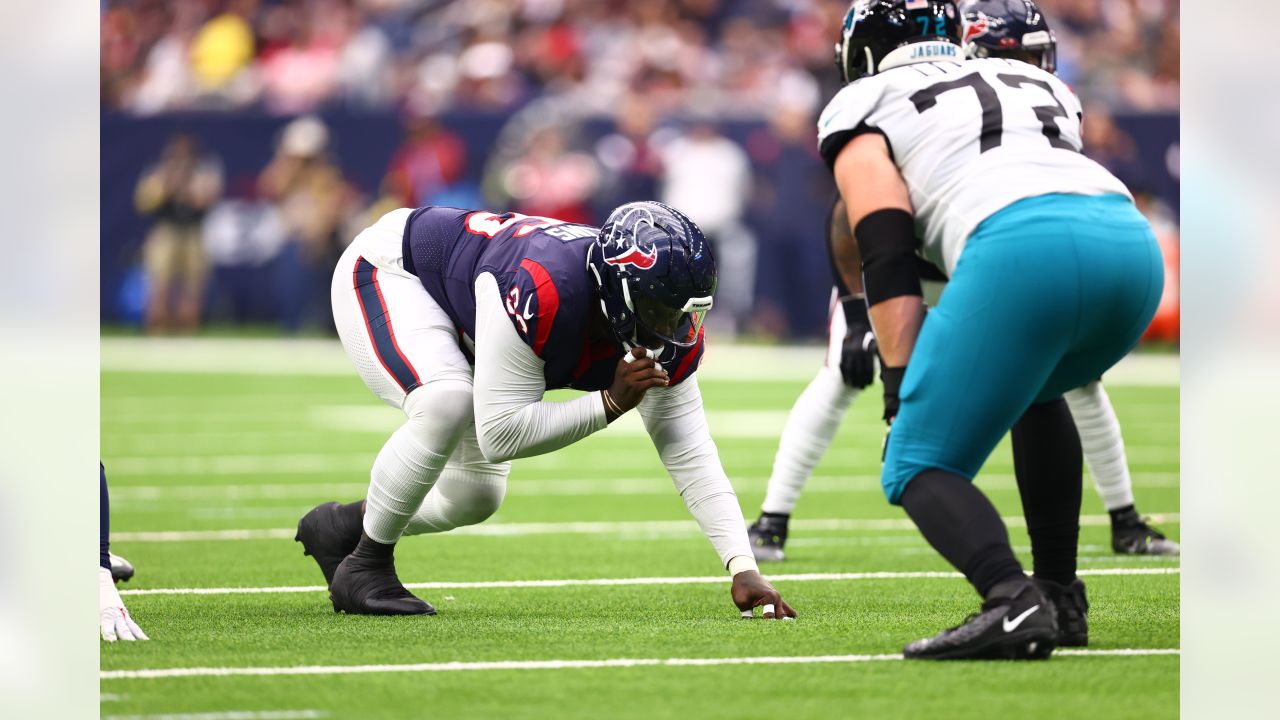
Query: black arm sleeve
point(887, 243)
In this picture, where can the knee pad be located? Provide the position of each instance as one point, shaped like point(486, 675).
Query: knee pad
point(439, 412)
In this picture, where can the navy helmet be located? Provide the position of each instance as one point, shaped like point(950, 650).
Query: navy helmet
point(1014, 29)
point(655, 274)
point(881, 34)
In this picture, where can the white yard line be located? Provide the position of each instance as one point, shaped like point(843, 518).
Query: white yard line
point(617, 582)
point(321, 357)
point(584, 528)
point(653, 485)
point(557, 664)
point(228, 715)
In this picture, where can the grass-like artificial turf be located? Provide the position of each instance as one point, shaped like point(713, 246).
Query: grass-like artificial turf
point(195, 452)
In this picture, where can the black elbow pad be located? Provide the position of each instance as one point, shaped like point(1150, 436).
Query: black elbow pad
point(887, 243)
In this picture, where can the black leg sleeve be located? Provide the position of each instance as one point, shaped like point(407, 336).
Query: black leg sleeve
point(1047, 461)
point(963, 526)
point(104, 522)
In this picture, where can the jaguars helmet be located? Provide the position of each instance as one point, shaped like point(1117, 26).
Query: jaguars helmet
point(1014, 29)
point(655, 275)
point(881, 34)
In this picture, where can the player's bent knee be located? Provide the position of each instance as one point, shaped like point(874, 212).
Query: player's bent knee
point(440, 411)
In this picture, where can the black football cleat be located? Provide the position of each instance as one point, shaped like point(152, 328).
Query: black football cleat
point(1131, 535)
point(121, 569)
point(1015, 623)
point(768, 536)
point(369, 586)
point(1073, 610)
point(329, 533)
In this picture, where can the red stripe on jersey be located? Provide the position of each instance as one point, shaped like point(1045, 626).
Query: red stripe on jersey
point(679, 374)
point(548, 302)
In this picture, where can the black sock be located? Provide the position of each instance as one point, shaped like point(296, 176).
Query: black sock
point(963, 526)
point(1047, 462)
point(370, 549)
point(775, 516)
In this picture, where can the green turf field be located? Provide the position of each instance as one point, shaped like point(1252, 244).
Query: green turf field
point(209, 472)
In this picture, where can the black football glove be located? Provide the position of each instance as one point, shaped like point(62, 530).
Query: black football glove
point(858, 355)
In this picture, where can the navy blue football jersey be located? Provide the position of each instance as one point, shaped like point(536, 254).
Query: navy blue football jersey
point(541, 267)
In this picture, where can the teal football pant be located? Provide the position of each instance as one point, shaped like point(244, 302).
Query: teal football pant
point(1048, 294)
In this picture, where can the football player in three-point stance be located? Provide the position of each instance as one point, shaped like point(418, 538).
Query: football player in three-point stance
point(463, 319)
point(1053, 275)
point(1014, 29)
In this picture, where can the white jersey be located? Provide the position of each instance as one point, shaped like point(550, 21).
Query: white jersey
point(970, 138)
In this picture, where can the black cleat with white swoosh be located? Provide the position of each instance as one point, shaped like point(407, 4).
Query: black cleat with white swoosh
point(1015, 623)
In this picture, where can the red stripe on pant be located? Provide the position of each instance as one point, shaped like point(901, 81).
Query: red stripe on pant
point(377, 320)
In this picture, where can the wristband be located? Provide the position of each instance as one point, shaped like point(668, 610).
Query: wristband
point(892, 380)
point(610, 405)
point(855, 310)
point(742, 563)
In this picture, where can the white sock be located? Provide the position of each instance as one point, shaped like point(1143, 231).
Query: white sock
point(412, 458)
point(810, 429)
point(1103, 446)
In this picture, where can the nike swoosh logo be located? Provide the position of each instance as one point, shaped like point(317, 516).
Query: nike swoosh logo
point(1010, 626)
point(527, 315)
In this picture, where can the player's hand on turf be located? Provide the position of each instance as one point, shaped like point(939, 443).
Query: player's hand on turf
point(751, 590)
point(116, 622)
point(632, 379)
point(858, 356)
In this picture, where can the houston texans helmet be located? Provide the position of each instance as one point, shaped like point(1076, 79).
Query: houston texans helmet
point(881, 34)
point(1013, 29)
point(655, 274)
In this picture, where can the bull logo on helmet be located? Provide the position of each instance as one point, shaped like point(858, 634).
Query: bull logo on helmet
point(635, 256)
point(622, 246)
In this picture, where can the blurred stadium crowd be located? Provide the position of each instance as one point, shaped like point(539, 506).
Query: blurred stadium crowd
point(706, 104)
point(735, 56)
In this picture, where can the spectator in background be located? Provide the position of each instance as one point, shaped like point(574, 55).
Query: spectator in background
point(1110, 146)
point(550, 179)
point(426, 165)
point(243, 236)
point(313, 199)
point(708, 177)
point(628, 156)
point(793, 253)
point(222, 52)
point(176, 193)
point(165, 81)
point(300, 60)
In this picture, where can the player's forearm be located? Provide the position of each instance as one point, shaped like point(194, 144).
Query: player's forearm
point(843, 249)
point(507, 432)
point(678, 427)
point(896, 323)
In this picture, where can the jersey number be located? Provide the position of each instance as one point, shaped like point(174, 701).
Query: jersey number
point(993, 114)
point(489, 224)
